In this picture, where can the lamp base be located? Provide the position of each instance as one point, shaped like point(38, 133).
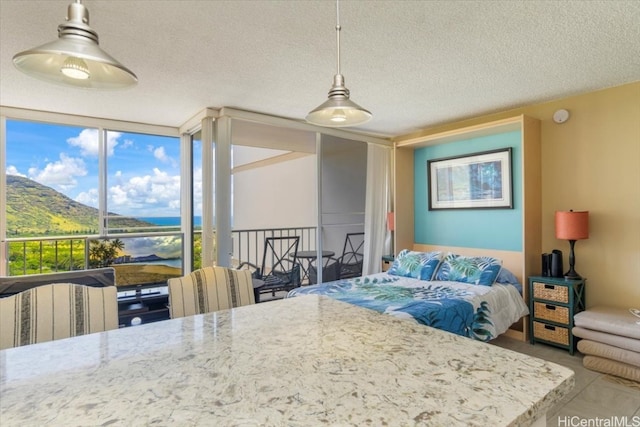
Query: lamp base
point(572, 275)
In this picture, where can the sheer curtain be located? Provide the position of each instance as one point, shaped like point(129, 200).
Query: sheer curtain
point(377, 240)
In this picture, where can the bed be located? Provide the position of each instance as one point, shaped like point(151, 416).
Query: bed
point(470, 296)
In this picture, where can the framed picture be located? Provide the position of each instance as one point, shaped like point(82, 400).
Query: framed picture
point(472, 181)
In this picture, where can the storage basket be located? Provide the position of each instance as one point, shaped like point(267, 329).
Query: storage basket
point(551, 333)
point(551, 292)
point(553, 313)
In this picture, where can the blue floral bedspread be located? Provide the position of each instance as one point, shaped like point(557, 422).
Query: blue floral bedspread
point(479, 312)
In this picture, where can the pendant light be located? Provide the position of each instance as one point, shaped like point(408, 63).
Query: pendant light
point(75, 58)
point(338, 110)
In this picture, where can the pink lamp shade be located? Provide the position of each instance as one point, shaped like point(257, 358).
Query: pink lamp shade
point(572, 225)
point(391, 221)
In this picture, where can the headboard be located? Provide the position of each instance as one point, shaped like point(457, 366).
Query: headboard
point(513, 261)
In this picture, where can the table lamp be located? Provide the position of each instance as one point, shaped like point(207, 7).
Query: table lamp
point(572, 226)
point(391, 221)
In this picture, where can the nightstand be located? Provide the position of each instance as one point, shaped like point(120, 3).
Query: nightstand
point(387, 261)
point(553, 301)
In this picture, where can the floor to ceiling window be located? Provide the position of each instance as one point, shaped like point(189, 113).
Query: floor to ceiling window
point(88, 195)
point(196, 198)
point(82, 197)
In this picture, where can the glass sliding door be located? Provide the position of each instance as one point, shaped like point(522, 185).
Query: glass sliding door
point(344, 179)
point(274, 183)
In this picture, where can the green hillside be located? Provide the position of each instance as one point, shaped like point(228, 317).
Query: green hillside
point(34, 209)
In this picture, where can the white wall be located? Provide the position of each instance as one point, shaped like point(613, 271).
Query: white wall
point(278, 195)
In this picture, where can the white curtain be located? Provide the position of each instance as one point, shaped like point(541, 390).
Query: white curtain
point(377, 240)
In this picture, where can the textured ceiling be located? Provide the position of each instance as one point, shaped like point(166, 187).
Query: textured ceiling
point(411, 63)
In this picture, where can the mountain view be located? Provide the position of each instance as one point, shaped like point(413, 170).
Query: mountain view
point(34, 209)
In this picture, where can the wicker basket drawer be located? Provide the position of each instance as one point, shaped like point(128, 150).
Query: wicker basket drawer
point(551, 333)
point(551, 292)
point(550, 312)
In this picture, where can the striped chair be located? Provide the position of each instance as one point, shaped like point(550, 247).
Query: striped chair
point(56, 311)
point(209, 289)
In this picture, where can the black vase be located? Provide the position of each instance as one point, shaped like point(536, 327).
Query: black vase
point(557, 270)
point(546, 265)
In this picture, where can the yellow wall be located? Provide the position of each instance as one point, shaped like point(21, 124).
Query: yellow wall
point(591, 162)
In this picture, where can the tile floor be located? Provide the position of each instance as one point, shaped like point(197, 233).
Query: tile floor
point(595, 396)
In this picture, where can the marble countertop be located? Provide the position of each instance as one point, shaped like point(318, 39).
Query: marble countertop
point(296, 362)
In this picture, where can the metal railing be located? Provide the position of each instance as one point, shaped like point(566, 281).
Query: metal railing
point(38, 255)
point(248, 245)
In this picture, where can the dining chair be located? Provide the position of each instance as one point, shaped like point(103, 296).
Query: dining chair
point(280, 268)
point(209, 289)
point(352, 256)
point(56, 311)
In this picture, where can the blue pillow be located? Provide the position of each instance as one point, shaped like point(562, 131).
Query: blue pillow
point(506, 277)
point(473, 270)
point(419, 265)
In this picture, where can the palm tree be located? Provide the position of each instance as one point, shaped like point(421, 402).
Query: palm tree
point(103, 252)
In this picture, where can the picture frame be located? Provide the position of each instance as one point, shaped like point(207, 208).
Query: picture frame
point(472, 181)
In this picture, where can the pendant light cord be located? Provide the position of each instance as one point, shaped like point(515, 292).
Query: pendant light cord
point(338, 28)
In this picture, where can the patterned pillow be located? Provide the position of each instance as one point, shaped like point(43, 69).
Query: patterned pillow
point(473, 270)
point(419, 265)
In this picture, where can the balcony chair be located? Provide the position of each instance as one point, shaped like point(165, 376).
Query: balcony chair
point(56, 311)
point(330, 271)
point(280, 269)
point(352, 255)
point(209, 289)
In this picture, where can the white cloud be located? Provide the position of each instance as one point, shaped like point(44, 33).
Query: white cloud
point(87, 141)
point(89, 198)
point(12, 170)
point(60, 174)
point(149, 195)
point(160, 154)
point(166, 246)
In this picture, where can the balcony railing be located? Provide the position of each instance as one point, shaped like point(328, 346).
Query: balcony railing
point(38, 255)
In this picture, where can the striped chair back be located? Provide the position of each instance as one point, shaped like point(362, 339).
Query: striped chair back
point(209, 289)
point(56, 311)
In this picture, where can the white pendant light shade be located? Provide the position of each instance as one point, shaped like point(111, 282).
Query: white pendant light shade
point(338, 110)
point(75, 58)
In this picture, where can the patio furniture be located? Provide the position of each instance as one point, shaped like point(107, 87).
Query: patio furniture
point(310, 257)
point(330, 271)
point(352, 255)
point(280, 269)
point(56, 311)
point(209, 289)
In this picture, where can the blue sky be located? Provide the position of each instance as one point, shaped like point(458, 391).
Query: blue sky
point(143, 171)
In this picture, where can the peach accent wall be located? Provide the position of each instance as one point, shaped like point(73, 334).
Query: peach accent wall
point(591, 162)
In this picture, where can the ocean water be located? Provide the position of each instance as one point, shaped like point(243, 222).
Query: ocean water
point(168, 220)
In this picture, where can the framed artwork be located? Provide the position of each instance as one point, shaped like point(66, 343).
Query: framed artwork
point(472, 181)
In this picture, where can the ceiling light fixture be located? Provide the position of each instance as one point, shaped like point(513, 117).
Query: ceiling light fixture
point(75, 58)
point(338, 110)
